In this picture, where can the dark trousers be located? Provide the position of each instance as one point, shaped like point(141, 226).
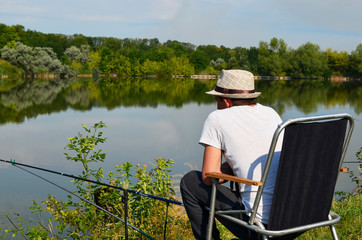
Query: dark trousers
point(196, 195)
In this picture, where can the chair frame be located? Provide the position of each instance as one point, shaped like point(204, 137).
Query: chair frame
point(255, 225)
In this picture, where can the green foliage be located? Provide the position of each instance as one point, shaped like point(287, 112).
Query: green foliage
point(308, 61)
point(82, 220)
point(273, 58)
point(146, 213)
point(176, 66)
point(356, 61)
point(29, 229)
point(86, 153)
point(199, 60)
point(12, 76)
point(337, 62)
point(80, 55)
point(357, 179)
point(350, 210)
point(126, 57)
point(35, 59)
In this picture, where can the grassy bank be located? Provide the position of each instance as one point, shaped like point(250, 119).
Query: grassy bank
point(349, 227)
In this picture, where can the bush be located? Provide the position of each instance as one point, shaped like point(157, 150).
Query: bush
point(8, 70)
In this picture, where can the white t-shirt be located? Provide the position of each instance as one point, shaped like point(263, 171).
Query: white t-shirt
point(244, 134)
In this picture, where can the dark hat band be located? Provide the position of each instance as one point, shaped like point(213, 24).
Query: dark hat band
point(232, 91)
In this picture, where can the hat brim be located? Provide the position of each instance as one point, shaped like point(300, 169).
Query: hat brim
point(238, 95)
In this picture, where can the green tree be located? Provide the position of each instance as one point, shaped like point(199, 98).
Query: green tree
point(20, 56)
point(273, 58)
point(110, 43)
point(125, 67)
point(337, 62)
point(107, 63)
point(242, 57)
point(150, 67)
point(309, 61)
point(179, 48)
point(176, 66)
point(32, 59)
point(78, 40)
point(356, 61)
point(80, 55)
point(95, 59)
point(199, 60)
point(218, 64)
point(9, 34)
point(211, 51)
point(253, 56)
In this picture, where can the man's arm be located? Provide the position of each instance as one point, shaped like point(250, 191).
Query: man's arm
point(212, 163)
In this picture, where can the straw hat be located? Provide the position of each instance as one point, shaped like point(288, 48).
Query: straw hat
point(235, 84)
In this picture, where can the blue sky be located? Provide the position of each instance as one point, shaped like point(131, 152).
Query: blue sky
point(332, 24)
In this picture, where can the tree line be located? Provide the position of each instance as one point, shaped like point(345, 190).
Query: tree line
point(33, 52)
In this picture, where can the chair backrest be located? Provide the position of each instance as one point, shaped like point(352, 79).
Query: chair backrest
point(307, 173)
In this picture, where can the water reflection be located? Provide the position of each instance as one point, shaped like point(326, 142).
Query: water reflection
point(34, 98)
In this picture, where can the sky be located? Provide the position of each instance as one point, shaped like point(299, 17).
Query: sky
point(334, 24)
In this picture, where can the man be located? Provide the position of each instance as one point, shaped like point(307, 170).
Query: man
point(240, 131)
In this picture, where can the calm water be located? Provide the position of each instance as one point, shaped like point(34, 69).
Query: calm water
point(146, 119)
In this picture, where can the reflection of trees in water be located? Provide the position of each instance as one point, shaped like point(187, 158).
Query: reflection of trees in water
point(151, 92)
point(307, 95)
point(30, 99)
point(32, 93)
point(78, 99)
point(34, 98)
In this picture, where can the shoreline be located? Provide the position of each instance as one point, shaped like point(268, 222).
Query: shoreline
point(206, 77)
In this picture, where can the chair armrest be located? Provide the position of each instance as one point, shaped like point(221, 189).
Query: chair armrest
point(233, 178)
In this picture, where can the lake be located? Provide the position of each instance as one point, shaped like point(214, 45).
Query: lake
point(145, 119)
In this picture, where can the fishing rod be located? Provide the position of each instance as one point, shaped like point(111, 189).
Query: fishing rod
point(12, 162)
point(89, 202)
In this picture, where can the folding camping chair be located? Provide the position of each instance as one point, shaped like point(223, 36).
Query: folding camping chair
point(312, 153)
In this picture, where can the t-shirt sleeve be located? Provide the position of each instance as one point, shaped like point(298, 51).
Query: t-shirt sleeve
point(210, 134)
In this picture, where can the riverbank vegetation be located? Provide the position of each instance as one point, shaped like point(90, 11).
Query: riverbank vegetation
point(36, 53)
point(78, 218)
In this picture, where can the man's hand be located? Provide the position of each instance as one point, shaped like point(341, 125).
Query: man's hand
point(225, 168)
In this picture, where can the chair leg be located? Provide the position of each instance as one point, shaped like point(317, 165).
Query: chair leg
point(333, 229)
point(212, 209)
point(334, 232)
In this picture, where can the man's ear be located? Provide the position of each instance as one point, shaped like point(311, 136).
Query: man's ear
point(228, 102)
